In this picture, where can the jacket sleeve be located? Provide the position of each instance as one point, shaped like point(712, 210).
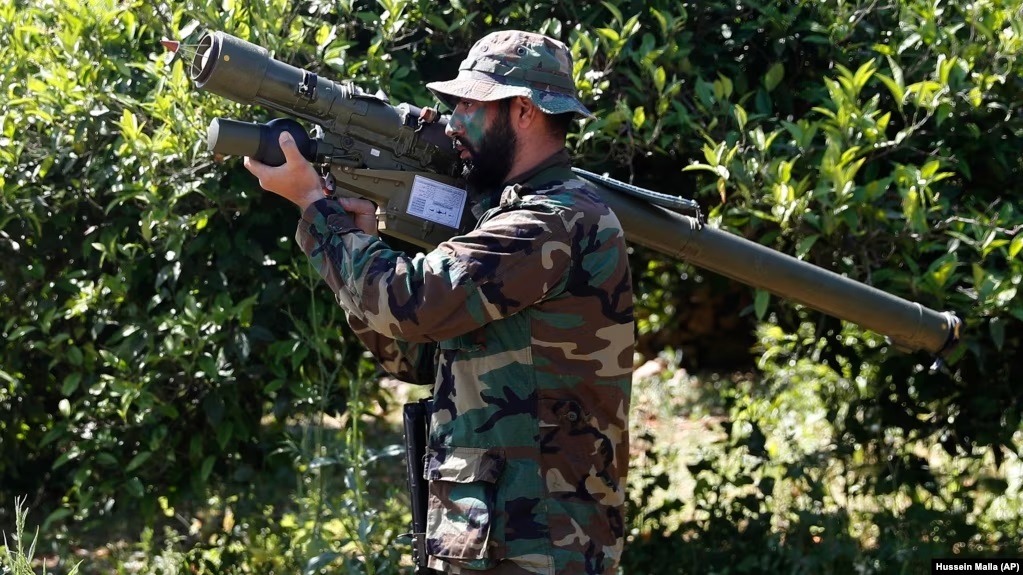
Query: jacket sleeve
point(409, 362)
point(519, 256)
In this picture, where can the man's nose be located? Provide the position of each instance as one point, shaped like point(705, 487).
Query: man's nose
point(455, 128)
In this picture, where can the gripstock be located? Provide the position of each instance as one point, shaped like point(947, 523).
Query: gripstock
point(399, 157)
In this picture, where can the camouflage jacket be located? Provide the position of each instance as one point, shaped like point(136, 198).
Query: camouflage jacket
point(524, 327)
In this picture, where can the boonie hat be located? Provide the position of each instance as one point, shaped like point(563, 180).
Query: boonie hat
point(515, 63)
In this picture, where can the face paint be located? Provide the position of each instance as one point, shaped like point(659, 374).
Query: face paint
point(492, 151)
point(471, 119)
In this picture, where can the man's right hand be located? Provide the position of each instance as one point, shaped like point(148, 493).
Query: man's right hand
point(363, 211)
point(296, 180)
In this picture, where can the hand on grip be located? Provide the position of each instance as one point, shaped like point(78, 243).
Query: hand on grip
point(295, 180)
point(364, 212)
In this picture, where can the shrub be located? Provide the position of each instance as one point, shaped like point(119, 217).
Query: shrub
point(162, 327)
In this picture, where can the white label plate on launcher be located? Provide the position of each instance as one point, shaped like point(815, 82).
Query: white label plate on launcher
point(436, 202)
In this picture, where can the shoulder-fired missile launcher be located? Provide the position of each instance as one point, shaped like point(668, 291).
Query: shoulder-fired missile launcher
point(399, 157)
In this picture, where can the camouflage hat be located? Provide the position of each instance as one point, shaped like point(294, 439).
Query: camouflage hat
point(514, 63)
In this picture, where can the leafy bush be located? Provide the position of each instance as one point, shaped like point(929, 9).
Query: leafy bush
point(162, 329)
point(876, 142)
point(777, 480)
point(148, 294)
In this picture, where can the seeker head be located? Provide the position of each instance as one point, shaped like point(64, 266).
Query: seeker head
point(207, 53)
point(514, 63)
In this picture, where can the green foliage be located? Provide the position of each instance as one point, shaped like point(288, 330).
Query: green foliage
point(17, 560)
point(793, 474)
point(163, 331)
point(147, 291)
point(879, 142)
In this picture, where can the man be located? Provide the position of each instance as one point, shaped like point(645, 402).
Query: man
point(524, 327)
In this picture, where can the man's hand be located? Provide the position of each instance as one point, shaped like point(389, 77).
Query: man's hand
point(364, 212)
point(295, 180)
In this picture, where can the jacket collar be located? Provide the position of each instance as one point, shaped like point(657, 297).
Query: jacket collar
point(533, 177)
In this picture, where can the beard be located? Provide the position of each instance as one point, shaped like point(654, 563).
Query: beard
point(492, 157)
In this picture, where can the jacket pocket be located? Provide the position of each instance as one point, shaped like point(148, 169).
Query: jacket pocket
point(461, 513)
point(577, 456)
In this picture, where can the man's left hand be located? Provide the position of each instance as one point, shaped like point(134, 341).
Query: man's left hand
point(295, 180)
point(363, 211)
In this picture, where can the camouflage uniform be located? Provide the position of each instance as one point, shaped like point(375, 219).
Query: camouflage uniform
point(524, 328)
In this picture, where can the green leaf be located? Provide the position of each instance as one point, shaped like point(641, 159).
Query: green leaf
point(723, 87)
point(106, 459)
point(7, 377)
point(760, 301)
point(695, 166)
point(71, 383)
point(616, 14)
point(944, 68)
point(585, 44)
point(55, 516)
point(930, 168)
point(824, 112)
point(1016, 246)
point(941, 270)
point(74, 355)
point(662, 22)
point(997, 328)
point(129, 125)
point(897, 90)
point(862, 76)
point(976, 96)
point(638, 117)
point(609, 35)
point(705, 92)
point(224, 433)
point(740, 116)
point(135, 488)
point(21, 332)
point(207, 467)
point(774, 76)
point(660, 77)
point(910, 41)
point(805, 245)
point(631, 26)
point(713, 155)
point(324, 35)
point(138, 460)
point(318, 563)
point(201, 220)
point(66, 457)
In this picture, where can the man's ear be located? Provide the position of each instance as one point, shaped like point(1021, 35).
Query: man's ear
point(524, 112)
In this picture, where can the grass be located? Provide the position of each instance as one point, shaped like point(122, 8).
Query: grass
point(17, 560)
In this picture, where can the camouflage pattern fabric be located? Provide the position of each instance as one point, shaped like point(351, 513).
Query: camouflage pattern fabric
point(524, 328)
point(513, 63)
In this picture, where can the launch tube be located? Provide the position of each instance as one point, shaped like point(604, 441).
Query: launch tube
point(909, 325)
point(246, 73)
